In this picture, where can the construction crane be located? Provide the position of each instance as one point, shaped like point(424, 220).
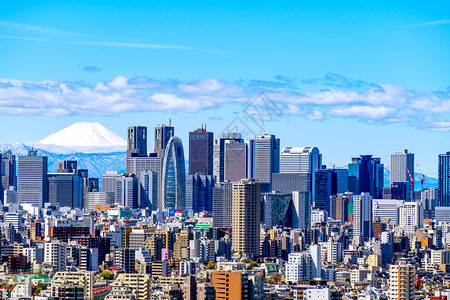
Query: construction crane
point(333, 165)
point(412, 184)
point(422, 177)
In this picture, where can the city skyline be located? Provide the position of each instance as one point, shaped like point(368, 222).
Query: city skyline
point(379, 74)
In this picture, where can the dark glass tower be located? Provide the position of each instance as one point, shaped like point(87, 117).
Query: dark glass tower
point(32, 179)
point(444, 179)
point(366, 175)
point(163, 134)
point(201, 145)
point(137, 141)
point(7, 172)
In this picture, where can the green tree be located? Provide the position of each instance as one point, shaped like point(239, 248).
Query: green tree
point(246, 260)
point(38, 288)
point(347, 279)
point(210, 265)
point(107, 275)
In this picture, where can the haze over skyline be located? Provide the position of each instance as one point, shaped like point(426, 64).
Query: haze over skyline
point(348, 78)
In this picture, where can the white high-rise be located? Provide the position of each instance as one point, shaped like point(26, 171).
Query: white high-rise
point(301, 160)
point(55, 255)
point(401, 162)
point(301, 209)
point(410, 216)
point(401, 280)
point(305, 265)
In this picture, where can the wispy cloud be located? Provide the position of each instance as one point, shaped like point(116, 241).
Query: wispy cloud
point(40, 29)
point(130, 45)
point(91, 69)
point(431, 23)
point(372, 104)
point(22, 38)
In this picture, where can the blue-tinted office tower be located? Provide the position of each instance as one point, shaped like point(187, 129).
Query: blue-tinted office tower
point(137, 141)
point(7, 171)
point(174, 175)
point(230, 156)
point(199, 192)
point(329, 182)
point(366, 175)
point(32, 185)
point(444, 179)
point(65, 189)
point(264, 154)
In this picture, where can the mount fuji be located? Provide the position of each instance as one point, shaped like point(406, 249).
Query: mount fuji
point(95, 147)
point(83, 137)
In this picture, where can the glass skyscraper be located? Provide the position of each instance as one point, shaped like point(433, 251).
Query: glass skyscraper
point(265, 158)
point(444, 179)
point(32, 179)
point(201, 143)
point(174, 175)
point(366, 175)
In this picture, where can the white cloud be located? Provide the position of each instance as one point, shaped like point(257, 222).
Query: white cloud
point(372, 104)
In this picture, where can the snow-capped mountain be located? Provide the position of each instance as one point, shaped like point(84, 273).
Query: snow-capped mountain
point(83, 137)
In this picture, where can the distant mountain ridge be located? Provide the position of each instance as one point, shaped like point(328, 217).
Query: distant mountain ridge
point(96, 163)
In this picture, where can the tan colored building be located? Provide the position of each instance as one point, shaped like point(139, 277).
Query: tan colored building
point(120, 292)
point(68, 282)
point(374, 260)
point(230, 285)
point(138, 283)
point(181, 245)
point(246, 217)
point(401, 281)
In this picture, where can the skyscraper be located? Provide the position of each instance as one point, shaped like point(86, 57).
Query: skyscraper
point(230, 157)
point(401, 163)
point(265, 157)
point(127, 191)
point(362, 216)
point(302, 160)
point(301, 209)
point(7, 171)
point(174, 175)
point(163, 134)
point(366, 175)
point(65, 189)
point(201, 144)
point(246, 217)
point(199, 192)
point(222, 204)
point(32, 179)
point(329, 182)
point(137, 141)
point(444, 179)
point(148, 190)
point(67, 166)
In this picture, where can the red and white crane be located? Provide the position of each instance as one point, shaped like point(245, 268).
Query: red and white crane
point(422, 177)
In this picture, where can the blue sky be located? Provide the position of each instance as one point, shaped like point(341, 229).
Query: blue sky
point(349, 77)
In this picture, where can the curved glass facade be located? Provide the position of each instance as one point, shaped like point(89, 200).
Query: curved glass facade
point(174, 175)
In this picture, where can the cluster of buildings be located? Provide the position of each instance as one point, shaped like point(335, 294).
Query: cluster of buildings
point(244, 220)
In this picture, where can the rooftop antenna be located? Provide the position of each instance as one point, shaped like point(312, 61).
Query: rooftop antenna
point(205, 126)
point(170, 122)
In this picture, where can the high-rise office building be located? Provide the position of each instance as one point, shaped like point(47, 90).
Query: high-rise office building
point(342, 202)
point(429, 199)
point(137, 141)
point(410, 216)
point(67, 166)
point(127, 191)
point(90, 185)
point(264, 155)
point(8, 169)
point(286, 183)
point(109, 182)
point(174, 175)
point(246, 217)
point(301, 209)
point(163, 134)
point(276, 210)
point(151, 163)
point(230, 157)
point(444, 179)
point(401, 280)
point(366, 175)
point(201, 144)
point(222, 204)
point(362, 216)
point(302, 160)
point(199, 192)
point(329, 182)
point(99, 198)
point(32, 179)
point(65, 189)
point(401, 163)
point(148, 190)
